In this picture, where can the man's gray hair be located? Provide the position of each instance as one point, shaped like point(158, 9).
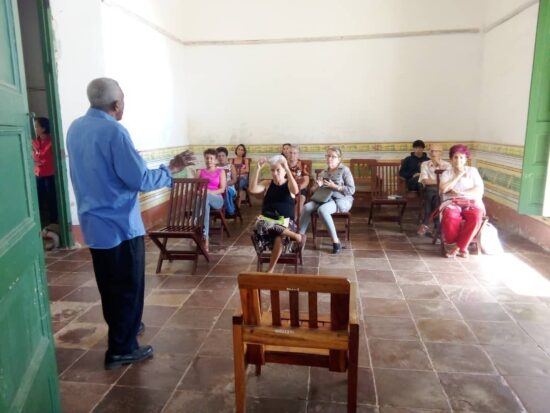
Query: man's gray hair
point(297, 147)
point(276, 160)
point(103, 92)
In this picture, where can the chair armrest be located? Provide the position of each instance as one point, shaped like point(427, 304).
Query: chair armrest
point(353, 303)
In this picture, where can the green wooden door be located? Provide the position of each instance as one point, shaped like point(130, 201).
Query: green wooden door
point(537, 142)
point(28, 374)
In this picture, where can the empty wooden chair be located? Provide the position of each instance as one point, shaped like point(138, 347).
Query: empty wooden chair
point(385, 191)
point(185, 221)
point(289, 336)
point(361, 169)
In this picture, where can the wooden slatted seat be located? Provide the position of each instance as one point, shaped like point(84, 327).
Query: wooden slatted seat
point(386, 191)
point(361, 169)
point(185, 221)
point(271, 334)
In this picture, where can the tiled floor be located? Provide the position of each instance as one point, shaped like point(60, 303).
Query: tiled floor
point(462, 335)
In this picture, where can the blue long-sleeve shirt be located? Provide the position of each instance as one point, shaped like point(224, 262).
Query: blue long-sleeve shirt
point(108, 174)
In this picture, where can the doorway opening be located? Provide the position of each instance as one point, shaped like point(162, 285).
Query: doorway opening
point(43, 103)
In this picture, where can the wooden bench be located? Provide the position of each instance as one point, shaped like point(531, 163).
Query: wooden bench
point(288, 336)
point(185, 220)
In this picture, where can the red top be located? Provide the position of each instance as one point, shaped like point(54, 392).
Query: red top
point(42, 154)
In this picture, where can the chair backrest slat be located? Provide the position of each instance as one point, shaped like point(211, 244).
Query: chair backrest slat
point(275, 308)
point(312, 306)
point(339, 311)
point(294, 302)
point(386, 179)
point(187, 203)
point(362, 170)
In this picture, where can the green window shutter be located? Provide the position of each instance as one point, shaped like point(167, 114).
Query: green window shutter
point(537, 141)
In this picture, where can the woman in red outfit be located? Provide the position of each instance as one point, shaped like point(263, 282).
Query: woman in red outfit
point(462, 207)
point(44, 169)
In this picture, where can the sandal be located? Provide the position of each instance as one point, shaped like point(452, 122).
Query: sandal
point(422, 229)
point(452, 253)
point(463, 254)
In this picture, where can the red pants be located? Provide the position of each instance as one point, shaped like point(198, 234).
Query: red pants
point(460, 225)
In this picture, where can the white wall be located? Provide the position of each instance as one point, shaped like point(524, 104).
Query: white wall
point(506, 73)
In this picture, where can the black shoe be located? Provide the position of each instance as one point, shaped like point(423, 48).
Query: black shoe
point(336, 248)
point(113, 361)
point(141, 329)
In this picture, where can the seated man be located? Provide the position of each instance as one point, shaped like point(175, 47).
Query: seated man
point(300, 174)
point(428, 179)
point(410, 166)
point(231, 178)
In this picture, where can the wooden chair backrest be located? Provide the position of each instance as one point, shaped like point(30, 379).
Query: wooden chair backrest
point(187, 204)
point(361, 169)
point(385, 178)
point(251, 285)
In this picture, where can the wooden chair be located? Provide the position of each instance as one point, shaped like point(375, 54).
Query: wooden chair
point(385, 184)
point(475, 244)
point(361, 169)
point(337, 216)
point(219, 214)
point(278, 335)
point(264, 257)
point(185, 220)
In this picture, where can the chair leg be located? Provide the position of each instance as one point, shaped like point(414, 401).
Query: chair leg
point(314, 229)
point(353, 367)
point(370, 214)
point(240, 370)
point(159, 263)
point(258, 369)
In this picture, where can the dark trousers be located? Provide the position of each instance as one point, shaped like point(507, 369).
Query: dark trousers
point(413, 184)
point(430, 204)
point(47, 202)
point(120, 276)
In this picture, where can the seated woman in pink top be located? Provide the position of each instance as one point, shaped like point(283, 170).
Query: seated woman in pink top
point(462, 208)
point(216, 186)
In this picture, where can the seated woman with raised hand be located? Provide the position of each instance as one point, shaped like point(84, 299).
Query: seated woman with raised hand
point(338, 184)
point(462, 188)
point(216, 187)
point(275, 227)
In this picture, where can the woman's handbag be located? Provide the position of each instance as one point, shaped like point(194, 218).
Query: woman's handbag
point(322, 195)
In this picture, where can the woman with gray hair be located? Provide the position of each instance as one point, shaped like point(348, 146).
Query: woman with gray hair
point(275, 227)
point(336, 188)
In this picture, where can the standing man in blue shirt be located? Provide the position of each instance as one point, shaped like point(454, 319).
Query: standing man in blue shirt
point(108, 174)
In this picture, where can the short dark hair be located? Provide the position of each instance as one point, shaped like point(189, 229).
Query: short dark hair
point(44, 124)
point(419, 143)
point(222, 149)
point(242, 146)
point(286, 144)
point(210, 151)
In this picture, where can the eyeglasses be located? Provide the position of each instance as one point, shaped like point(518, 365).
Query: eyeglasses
point(331, 156)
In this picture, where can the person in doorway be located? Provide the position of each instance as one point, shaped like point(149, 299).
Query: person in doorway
point(275, 228)
point(410, 166)
point(44, 170)
point(300, 173)
point(230, 179)
point(216, 187)
point(462, 208)
point(338, 178)
point(428, 179)
point(108, 174)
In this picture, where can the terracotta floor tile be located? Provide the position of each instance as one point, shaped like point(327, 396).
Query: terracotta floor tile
point(408, 388)
point(439, 309)
point(176, 340)
point(360, 253)
point(539, 332)
point(86, 294)
point(80, 335)
point(67, 356)
point(479, 393)
point(503, 333)
point(203, 318)
point(170, 298)
point(181, 282)
point(385, 307)
point(278, 381)
point(519, 360)
point(391, 328)
point(208, 299)
point(528, 312)
point(129, 399)
point(163, 371)
point(80, 397)
point(66, 311)
point(75, 279)
point(328, 386)
point(67, 266)
point(448, 357)
point(380, 276)
point(57, 292)
point(196, 401)
point(211, 375)
point(89, 369)
point(483, 312)
point(217, 283)
point(156, 315)
point(449, 331)
point(456, 278)
point(460, 294)
point(408, 265)
point(325, 407)
point(218, 343)
point(423, 292)
point(413, 277)
point(381, 290)
point(399, 354)
point(403, 255)
point(532, 391)
point(94, 314)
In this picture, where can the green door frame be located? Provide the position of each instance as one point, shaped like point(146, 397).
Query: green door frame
point(537, 139)
point(52, 94)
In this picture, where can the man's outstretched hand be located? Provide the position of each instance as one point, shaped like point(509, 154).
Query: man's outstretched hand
point(181, 161)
